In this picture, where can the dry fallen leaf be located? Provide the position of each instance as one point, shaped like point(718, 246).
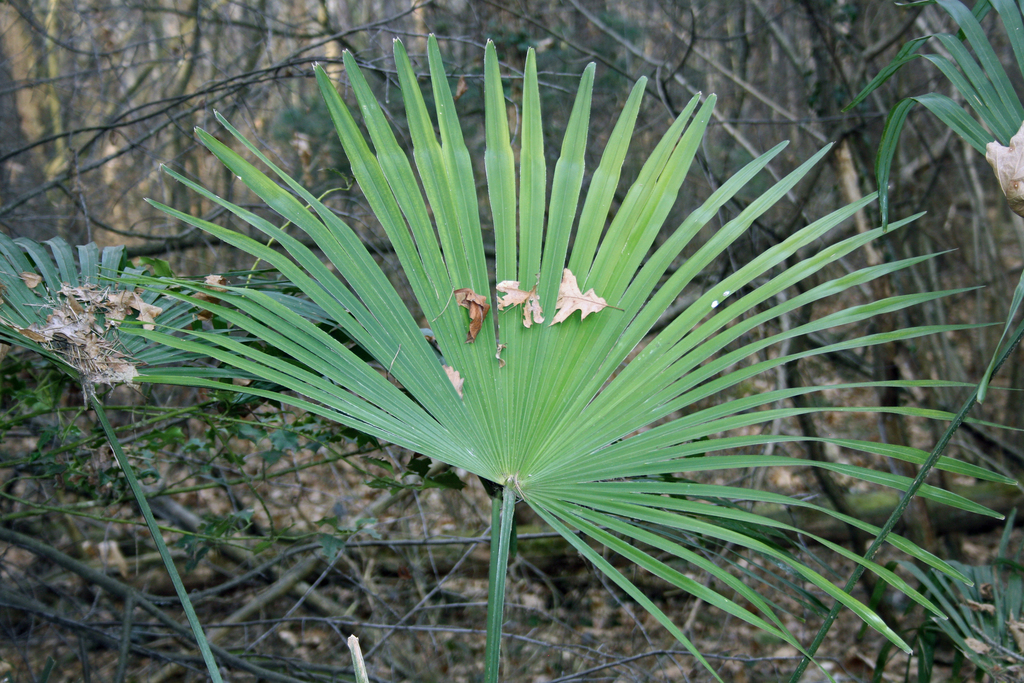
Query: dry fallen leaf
point(981, 607)
point(976, 645)
point(501, 361)
point(31, 280)
point(72, 331)
point(109, 555)
point(87, 294)
point(455, 378)
point(118, 306)
point(514, 296)
point(478, 309)
point(1008, 164)
point(571, 299)
point(147, 312)
point(1017, 631)
point(216, 282)
point(31, 334)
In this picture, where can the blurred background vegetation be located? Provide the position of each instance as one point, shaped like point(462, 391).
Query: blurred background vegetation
point(269, 507)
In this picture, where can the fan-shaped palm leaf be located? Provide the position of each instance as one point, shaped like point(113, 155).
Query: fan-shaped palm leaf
point(70, 309)
point(563, 416)
point(71, 312)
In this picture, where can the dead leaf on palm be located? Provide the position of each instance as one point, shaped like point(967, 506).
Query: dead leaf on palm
point(216, 283)
point(455, 377)
point(976, 645)
point(981, 607)
point(118, 306)
point(571, 299)
point(73, 332)
point(1008, 164)
point(147, 312)
point(514, 296)
point(114, 304)
point(31, 280)
point(1017, 631)
point(31, 334)
point(478, 309)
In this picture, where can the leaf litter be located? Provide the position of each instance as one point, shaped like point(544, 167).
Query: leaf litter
point(570, 299)
point(77, 329)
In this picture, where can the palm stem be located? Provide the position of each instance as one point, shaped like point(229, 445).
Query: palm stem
point(894, 518)
point(154, 530)
point(502, 511)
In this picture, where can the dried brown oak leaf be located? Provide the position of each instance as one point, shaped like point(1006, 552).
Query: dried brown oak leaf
point(1008, 163)
point(514, 296)
point(31, 280)
point(115, 304)
point(455, 378)
point(147, 312)
point(478, 309)
point(981, 607)
point(1017, 631)
point(216, 283)
point(571, 299)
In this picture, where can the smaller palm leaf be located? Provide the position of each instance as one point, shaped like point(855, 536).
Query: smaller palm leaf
point(978, 77)
point(986, 614)
point(987, 90)
point(70, 309)
point(580, 417)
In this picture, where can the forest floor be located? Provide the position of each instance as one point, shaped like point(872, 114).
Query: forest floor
point(405, 570)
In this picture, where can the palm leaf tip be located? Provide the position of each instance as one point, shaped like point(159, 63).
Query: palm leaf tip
point(540, 400)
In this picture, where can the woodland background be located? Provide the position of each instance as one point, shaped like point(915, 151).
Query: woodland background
point(95, 97)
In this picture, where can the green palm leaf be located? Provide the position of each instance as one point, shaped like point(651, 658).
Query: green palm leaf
point(568, 419)
point(985, 86)
point(981, 80)
point(73, 312)
point(78, 283)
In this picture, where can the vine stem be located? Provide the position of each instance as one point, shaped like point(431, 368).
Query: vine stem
point(894, 518)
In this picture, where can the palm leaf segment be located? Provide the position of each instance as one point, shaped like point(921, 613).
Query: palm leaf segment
point(555, 416)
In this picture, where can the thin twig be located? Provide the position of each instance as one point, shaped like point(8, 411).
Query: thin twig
point(121, 590)
point(387, 375)
point(445, 307)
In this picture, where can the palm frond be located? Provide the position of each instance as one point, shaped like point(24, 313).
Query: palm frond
point(68, 303)
point(979, 77)
point(576, 417)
